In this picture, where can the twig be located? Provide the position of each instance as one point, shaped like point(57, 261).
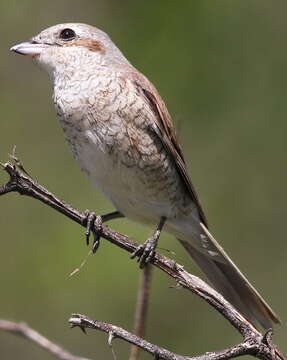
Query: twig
point(23, 330)
point(255, 346)
point(141, 308)
point(25, 185)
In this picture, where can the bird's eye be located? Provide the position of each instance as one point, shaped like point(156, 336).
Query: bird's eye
point(67, 34)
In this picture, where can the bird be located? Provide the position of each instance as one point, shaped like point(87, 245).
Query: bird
point(122, 135)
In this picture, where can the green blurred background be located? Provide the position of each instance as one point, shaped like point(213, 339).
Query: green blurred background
point(221, 68)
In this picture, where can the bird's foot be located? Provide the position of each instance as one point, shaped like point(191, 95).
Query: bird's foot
point(146, 251)
point(93, 221)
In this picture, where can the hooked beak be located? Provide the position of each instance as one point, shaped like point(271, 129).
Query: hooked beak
point(31, 48)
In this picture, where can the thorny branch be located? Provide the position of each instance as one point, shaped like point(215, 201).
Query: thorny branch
point(256, 346)
point(255, 343)
point(23, 330)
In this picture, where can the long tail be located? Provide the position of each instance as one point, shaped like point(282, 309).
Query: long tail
point(229, 281)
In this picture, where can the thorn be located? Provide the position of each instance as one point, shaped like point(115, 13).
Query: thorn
point(17, 162)
point(14, 151)
point(177, 286)
point(111, 338)
point(75, 321)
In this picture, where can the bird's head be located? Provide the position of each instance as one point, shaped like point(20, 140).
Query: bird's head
point(71, 45)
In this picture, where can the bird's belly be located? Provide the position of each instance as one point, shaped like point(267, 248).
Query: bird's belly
point(136, 194)
point(121, 185)
point(134, 190)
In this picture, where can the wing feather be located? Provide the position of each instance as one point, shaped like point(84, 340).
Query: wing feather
point(165, 131)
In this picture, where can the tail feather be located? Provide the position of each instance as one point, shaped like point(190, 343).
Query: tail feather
point(231, 283)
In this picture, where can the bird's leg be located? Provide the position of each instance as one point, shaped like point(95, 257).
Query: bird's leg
point(111, 216)
point(145, 252)
point(91, 219)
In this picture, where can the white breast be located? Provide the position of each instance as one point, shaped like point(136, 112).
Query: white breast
point(121, 184)
point(115, 150)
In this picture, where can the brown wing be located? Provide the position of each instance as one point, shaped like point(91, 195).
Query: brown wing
point(165, 131)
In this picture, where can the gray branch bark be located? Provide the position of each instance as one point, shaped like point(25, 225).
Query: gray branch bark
point(23, 330)
point(255, 343)
point(255, 346)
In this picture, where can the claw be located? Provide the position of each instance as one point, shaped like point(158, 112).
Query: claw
point(83, 330)
point(90, 219)
point(137, 252)
point(146, 251)
point(96, 245)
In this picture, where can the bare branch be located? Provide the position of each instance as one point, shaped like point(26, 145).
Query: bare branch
point(23, 330)
point(25, 185)
point(255, 346)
